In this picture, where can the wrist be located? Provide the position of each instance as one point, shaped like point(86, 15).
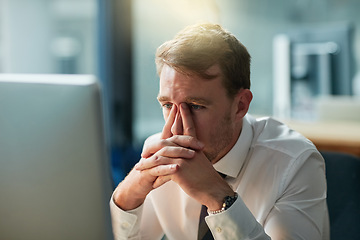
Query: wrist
point(125, 201)
point(215, 202)
point(126, 197)
point(226, 204)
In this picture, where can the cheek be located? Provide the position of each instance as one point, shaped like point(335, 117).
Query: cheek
point(208, 127)
point(203, 127)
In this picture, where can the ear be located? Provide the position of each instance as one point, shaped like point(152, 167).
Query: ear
point(242, 102)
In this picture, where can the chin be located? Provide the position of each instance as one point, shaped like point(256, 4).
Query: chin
point(213, 157)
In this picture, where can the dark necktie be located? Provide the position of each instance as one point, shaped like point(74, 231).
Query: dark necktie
point(204, 232)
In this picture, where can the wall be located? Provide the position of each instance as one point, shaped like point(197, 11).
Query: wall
point(42, 36)
point(254, 22)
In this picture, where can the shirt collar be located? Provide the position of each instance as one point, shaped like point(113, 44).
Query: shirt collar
point(232, 162)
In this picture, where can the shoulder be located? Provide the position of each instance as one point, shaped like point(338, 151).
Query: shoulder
point(274, 135)
point(283, 152)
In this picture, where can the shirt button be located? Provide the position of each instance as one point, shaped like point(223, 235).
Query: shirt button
point(125, 225)
point(218, 229)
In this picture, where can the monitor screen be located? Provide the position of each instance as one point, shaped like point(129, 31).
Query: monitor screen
point(55, 181)
point(312, 62)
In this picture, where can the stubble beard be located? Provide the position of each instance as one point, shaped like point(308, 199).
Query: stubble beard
point(220, 139)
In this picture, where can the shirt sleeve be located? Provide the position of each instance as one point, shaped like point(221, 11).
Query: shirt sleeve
point(235, 223)
point(125, 224)
point(300, 212)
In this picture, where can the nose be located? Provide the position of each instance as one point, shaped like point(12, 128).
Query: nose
point(177, 127)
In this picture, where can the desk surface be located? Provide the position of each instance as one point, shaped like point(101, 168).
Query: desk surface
point(331, 136)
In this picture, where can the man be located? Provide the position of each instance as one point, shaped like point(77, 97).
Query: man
point(255, 178)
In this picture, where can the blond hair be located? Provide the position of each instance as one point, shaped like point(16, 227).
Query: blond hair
point(198, 47)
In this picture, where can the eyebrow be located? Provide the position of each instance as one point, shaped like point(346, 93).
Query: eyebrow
point(196, 100)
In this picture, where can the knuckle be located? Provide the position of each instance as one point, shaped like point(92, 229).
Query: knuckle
point(186, 153)
point(155, 171)
point(158, 171)
point(183, 151)
point(163, 142)
point(174, 138)
point(163, 151)
point(159, 160)
point(156, 159)
point(180, 163)
point(189, 129)
point(190, 140)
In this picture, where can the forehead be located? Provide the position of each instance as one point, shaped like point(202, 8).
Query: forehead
point(170, 74)
point(175, 84)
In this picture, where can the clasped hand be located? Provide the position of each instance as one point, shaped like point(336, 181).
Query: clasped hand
point(179, 157)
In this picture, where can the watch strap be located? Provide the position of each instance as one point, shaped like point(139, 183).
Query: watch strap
point(228, 202)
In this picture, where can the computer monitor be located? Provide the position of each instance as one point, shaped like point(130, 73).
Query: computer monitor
point(55, 181)
point(312, 62)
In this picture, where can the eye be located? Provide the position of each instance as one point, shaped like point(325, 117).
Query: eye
point(196, 107)
point(167, 105)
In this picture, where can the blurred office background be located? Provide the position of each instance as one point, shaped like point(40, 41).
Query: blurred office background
point(303, 53)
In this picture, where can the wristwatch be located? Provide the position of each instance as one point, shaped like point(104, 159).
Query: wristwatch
point(228, 201)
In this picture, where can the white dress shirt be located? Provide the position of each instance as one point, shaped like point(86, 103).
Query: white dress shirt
point(279, 177)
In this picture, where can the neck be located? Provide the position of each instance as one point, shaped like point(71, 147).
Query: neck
point(235, 137)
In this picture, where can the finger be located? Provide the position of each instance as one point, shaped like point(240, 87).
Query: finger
point(161, 180)
point(166, 132)
point(185, 141)
point(168, 155)
point(176, 152)
point(163, 170)
point(188, 123)
point(153, 161)
point(152, 144)
point(177, 127)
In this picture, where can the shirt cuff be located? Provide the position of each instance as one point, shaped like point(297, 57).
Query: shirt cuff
point(237, 222)
point(125, 224)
